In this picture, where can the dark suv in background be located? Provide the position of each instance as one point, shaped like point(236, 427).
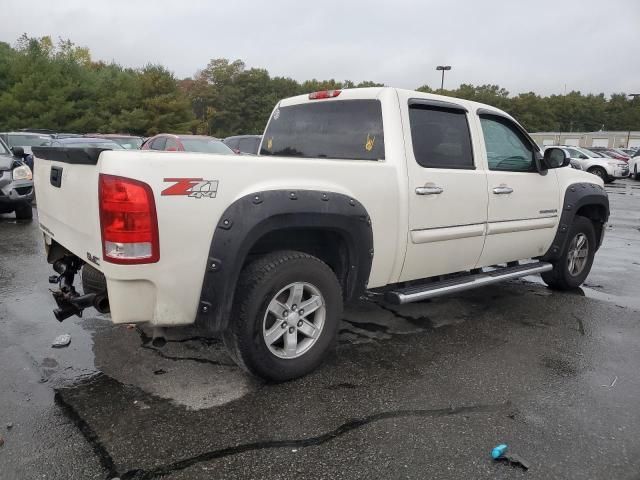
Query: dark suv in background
point(16, 184)
point(20, 143)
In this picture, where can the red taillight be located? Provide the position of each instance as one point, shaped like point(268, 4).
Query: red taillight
point(324, 94)
point(128, 221)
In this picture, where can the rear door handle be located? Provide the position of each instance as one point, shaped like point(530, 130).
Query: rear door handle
point(429, 189)
point(502, 190)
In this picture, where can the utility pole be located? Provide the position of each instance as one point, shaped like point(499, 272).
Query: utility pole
point(443, 68)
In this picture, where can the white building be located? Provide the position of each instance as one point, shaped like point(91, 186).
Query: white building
point(589, 139)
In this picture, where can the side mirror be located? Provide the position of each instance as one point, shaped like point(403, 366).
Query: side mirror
point(583, 157)
point(17, 151)
point(555, 158)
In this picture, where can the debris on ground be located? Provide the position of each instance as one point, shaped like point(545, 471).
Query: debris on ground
point(612, 384)
point(1, 441)
point(61, 341)
point(500, 453)
point(9, 426)
point(160, 371)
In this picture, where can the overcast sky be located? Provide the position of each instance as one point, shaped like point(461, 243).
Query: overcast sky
point(539, 45)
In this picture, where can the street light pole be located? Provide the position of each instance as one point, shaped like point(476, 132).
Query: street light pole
point(633, 97)
point(443, 68)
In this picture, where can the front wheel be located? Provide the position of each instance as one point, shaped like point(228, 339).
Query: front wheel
point(602, 173)
point(288, 307)
point(636, 175)
point(574, 264)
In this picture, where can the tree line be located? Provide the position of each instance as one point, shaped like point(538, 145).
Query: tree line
point(60, 87)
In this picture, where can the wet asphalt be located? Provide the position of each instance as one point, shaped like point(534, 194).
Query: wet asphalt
point(420, 391)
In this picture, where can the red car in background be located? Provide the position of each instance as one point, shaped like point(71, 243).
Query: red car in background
point(186, 143)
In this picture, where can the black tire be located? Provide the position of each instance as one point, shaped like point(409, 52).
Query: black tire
point(93, 281)
point(24, 212)
point(259, 284)
point(600, 172)
point(560, 278)
point(636, 175)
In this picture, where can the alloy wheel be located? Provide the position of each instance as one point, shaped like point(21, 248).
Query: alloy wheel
point(578, 254)
point(294, 320)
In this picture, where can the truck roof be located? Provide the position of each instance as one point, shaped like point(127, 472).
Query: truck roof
point(375, 92)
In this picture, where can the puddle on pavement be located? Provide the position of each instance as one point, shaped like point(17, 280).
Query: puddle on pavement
point(591, 292)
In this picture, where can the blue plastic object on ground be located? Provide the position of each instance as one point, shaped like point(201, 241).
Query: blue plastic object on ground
point(498, 451)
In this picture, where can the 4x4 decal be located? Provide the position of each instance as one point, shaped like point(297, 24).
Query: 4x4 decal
point(191, 187)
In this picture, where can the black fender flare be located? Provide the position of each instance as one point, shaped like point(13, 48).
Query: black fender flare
point(576, 196)
point(251, 217)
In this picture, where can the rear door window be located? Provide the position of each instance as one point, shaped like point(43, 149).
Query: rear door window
point(342, 129)
point(440, 137)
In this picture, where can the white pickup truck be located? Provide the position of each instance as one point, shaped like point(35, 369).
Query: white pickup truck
point(379, 191)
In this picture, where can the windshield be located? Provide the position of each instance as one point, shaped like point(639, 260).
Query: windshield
point(16, 140)
point(589, 153)
point(130, 143)
point(204, 145)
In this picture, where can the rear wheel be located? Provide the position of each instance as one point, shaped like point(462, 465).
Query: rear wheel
point(574, 264)
point(288, 307)
point(636, 175)
point(24, 212)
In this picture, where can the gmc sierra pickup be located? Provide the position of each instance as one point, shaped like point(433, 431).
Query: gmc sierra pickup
point(377, 191)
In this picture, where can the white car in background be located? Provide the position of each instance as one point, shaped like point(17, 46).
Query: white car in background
point(606, 168)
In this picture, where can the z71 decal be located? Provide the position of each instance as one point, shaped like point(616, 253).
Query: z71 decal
point(191, 187)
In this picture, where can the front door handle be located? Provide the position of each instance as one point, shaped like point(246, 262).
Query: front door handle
point(502, 190)
point(429, 189)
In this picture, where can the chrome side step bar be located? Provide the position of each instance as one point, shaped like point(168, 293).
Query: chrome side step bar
point(467, 282)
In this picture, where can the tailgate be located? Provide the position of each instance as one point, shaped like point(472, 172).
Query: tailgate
point(66, 184)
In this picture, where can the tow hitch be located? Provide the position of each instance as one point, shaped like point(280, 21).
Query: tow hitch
point(69, 301)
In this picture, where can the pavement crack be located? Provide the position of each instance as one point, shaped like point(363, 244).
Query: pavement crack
point(208, 341)
point(353, 424)
point(369, 326)
point(422, 321)
point(187, 359)
point(580, 324)
point(146, 341)
point(89, 435)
